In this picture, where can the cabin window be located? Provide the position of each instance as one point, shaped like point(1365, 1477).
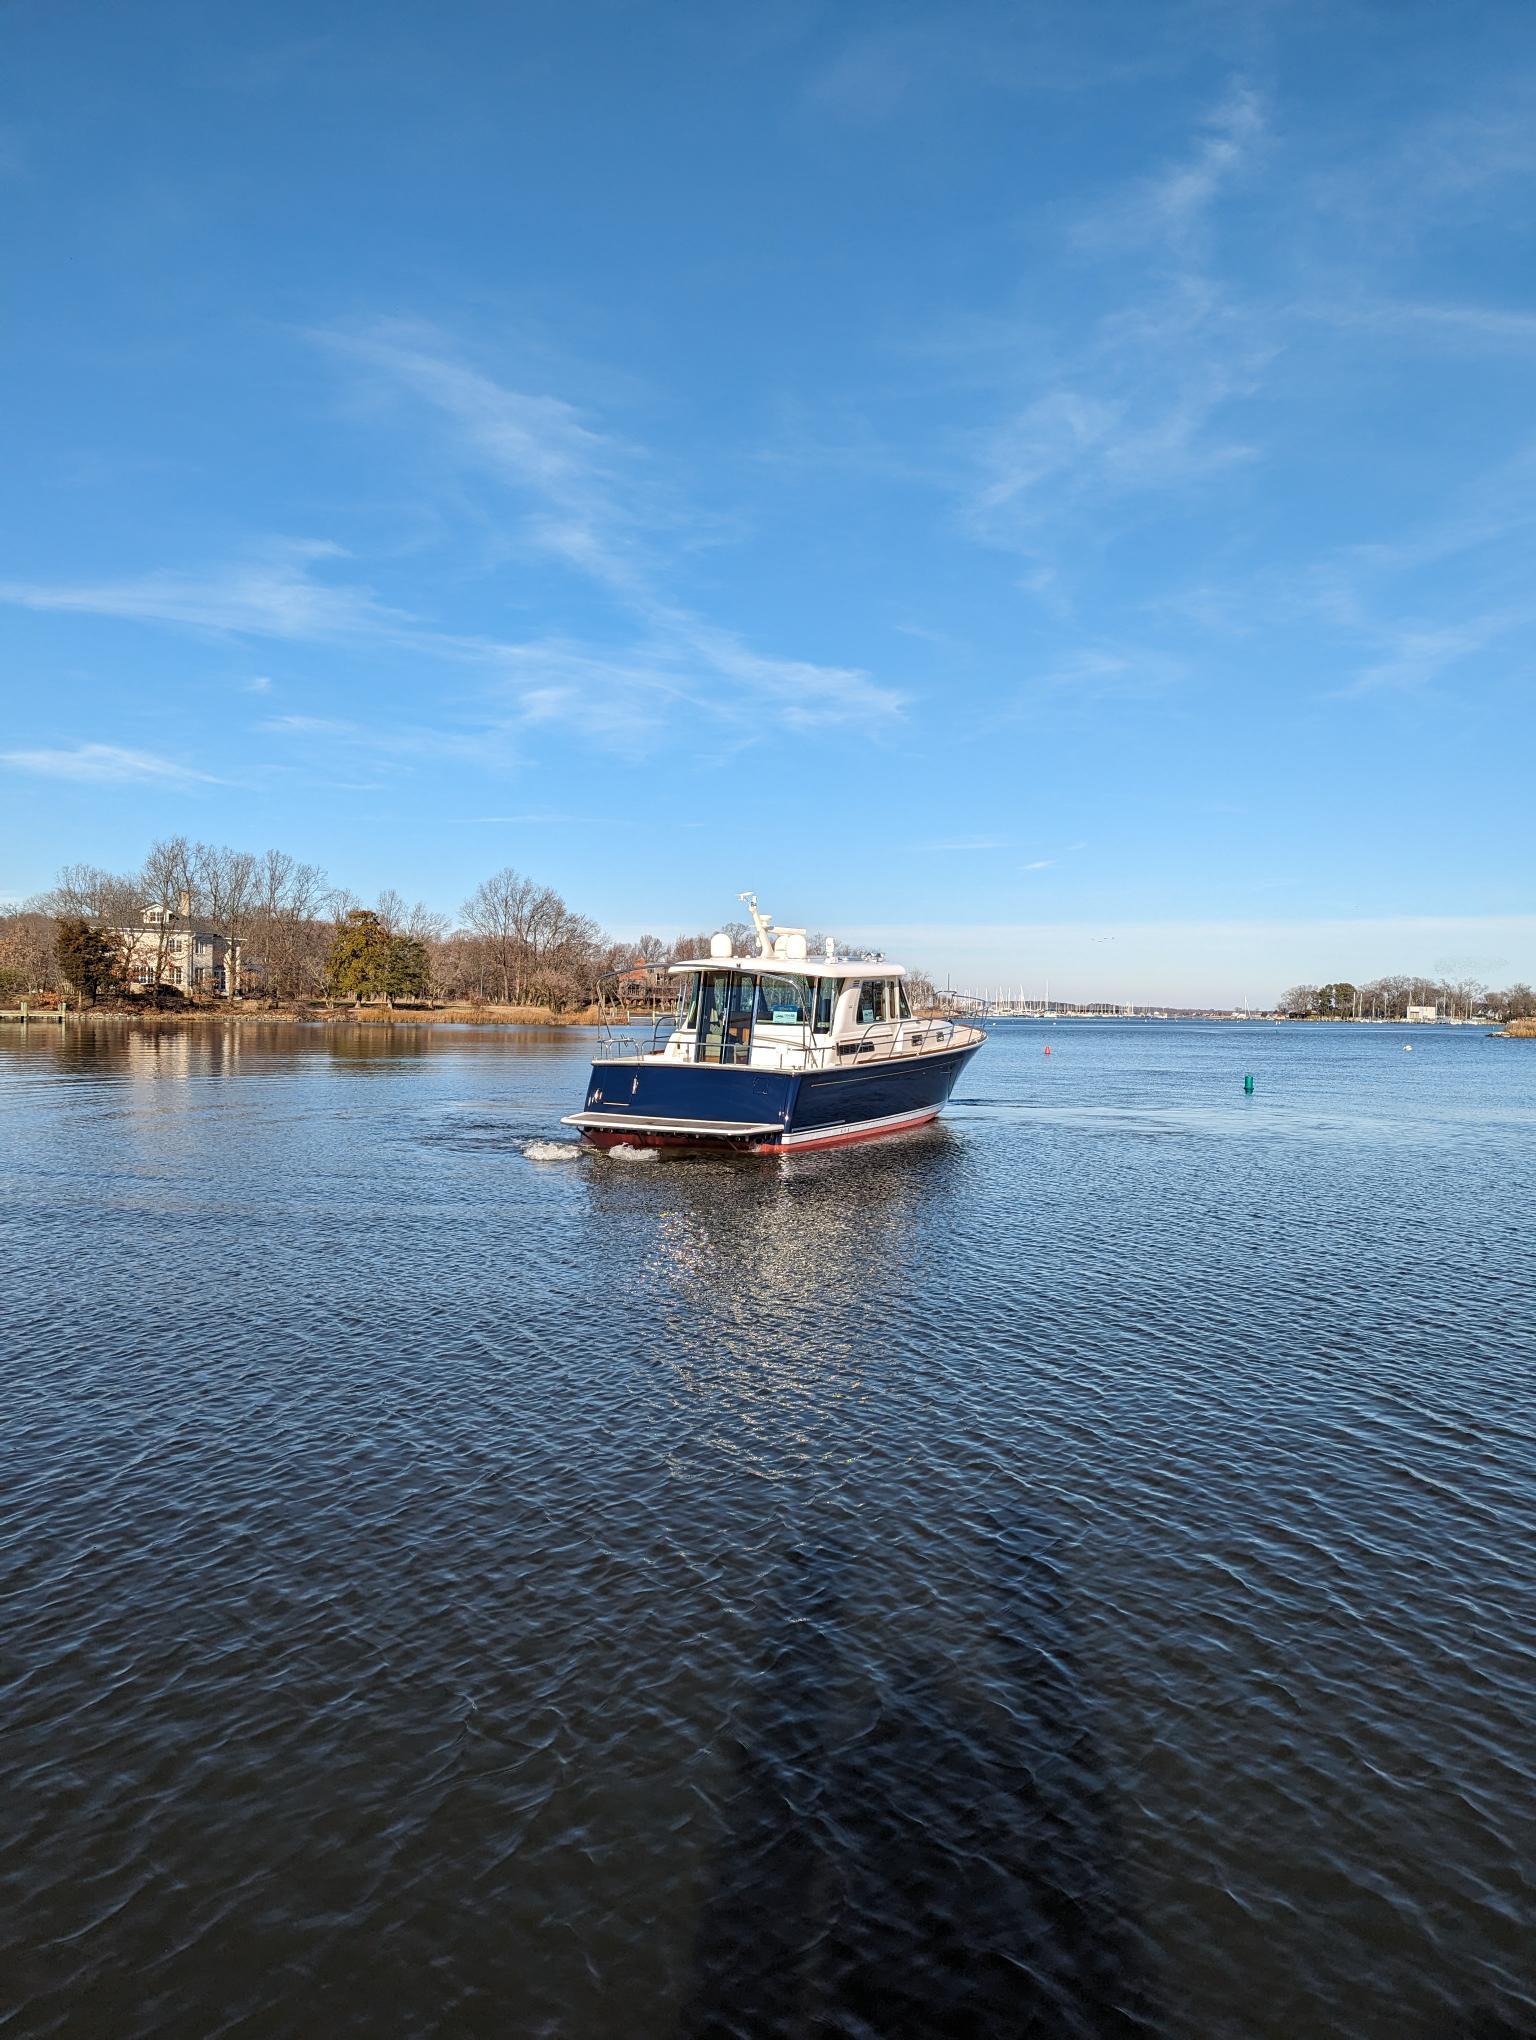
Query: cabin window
point(873, 995)
point(903, 1004)
point(781, 1001)
point(737, 1045)
point(688, 1002)
point(827, 990)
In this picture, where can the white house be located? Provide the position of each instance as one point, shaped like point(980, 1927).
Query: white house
point(172, 947)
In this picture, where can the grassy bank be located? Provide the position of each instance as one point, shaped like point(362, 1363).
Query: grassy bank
point(1522, 1030)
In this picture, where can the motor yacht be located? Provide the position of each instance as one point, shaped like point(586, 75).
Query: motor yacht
point(777, 1050)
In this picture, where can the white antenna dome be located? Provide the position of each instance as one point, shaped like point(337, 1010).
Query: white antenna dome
point(720, 945)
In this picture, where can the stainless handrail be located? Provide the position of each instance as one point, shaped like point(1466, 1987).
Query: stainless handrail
point(847, 1052)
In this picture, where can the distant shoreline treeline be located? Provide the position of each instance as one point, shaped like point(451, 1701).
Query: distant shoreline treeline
point(298, 938)
point(293, 938)
point(1389, 998)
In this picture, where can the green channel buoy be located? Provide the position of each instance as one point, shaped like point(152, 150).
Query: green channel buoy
point(1248, 1086)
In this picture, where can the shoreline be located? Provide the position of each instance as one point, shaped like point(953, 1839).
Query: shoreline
point(372, 1016)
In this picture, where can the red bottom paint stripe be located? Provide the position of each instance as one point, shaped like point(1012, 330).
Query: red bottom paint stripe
point(792, 1144)
point(845, 1136)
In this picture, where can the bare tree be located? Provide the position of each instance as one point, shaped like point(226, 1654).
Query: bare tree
point(29, 955)
point(114, 899)
point(419, 922)
point(227, 887)
point(166, 883)
point(287, 938)
point(501, 911)
point(1515, 1002)
point(1300, 999)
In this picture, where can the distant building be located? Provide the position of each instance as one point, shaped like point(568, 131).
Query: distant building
point(645, 986)
point(1425, 1013)
point(172, 947)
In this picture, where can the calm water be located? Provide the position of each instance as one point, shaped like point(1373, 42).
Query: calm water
point(1068, 1571)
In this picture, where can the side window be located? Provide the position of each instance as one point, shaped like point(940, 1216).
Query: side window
point(872, 1001)
point(781, 1000)
point(903, 1004)
point(827, 990)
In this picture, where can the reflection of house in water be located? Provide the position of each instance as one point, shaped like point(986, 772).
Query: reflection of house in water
point(172, 947)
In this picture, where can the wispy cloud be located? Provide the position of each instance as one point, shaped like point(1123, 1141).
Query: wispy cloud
point(535, 443)
point(484, 742)
point(1144, 406)
point(542, 821)
point(581, 491)
point(1416, 654)
point(578, 493)
point(1462, 325)
point(107, 763)
point(1174, 203)
point(274, 594)
point(1039, 864)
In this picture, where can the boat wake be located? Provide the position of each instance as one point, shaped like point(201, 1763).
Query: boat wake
point(552, 1150)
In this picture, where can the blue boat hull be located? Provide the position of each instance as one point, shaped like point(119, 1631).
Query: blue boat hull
point(690, 1104)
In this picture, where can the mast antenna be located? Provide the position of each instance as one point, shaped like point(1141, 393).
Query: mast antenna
point(761, 922)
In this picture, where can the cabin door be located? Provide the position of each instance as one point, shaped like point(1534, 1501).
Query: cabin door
point(725, 1018)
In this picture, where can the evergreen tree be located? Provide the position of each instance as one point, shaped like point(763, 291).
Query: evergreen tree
point(359, 963)
point(87, 956)
point(407, 971)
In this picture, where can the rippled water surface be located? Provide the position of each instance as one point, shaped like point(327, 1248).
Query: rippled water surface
point(1068, 1571)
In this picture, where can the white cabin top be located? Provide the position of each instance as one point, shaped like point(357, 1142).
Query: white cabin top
point(792, 966)
point(786, 948)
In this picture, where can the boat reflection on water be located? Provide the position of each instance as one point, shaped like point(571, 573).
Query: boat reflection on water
point(908, 1830)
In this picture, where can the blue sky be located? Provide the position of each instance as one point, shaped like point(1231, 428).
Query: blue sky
point(1049, 488)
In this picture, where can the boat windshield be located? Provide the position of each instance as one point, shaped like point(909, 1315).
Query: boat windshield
point(782, 1001)
point(688, 1000)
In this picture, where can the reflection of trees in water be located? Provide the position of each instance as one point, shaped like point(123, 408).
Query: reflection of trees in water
point(369, 1044)
point(916, 1845)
